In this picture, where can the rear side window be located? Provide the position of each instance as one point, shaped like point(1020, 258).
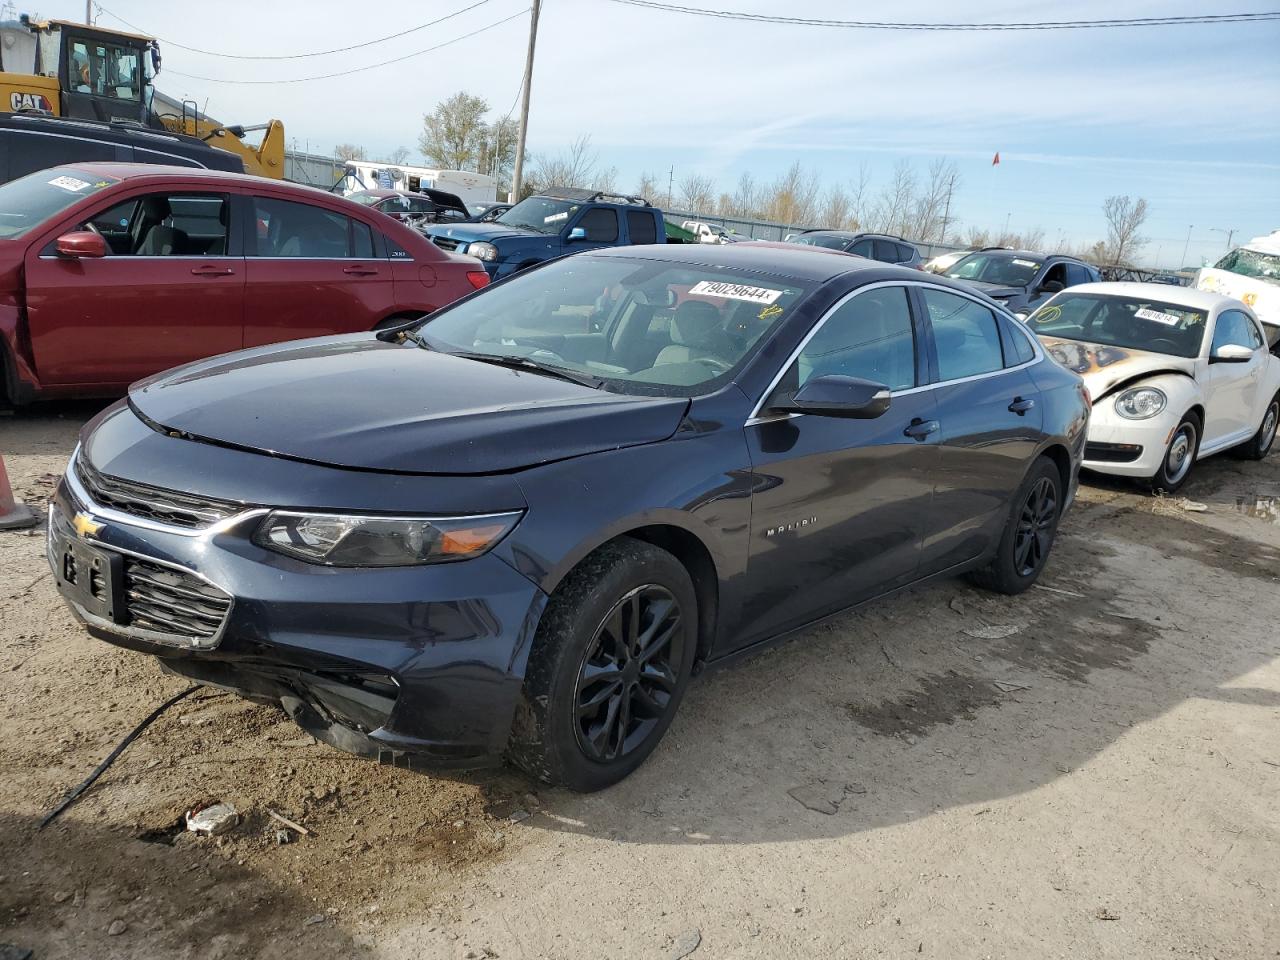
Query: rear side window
point(906, 253)
point(290, 230)
point(887, 251)
point(1017, 348)
point(862, 248)
point(641, 227)
point(361, 240)
point(601, 225)
point(965, 333)
point(869, 336)
point(1077, 273)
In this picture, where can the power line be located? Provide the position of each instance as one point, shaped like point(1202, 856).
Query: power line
point(347, 73)
point(294, 56)
point(891, 25)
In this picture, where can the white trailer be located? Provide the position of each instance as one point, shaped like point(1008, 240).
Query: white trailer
point(370, 175)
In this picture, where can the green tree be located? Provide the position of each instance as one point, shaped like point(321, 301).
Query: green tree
point(455, 133)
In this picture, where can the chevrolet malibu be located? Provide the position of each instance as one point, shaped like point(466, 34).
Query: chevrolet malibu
point(518, 529)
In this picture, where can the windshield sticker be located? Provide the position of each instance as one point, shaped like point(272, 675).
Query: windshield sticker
point(555, 217)
point(769, 312)
point(1048, 314)
point(1025, 263)
point(1168, 319)
point(69, 183)
point(734, 291)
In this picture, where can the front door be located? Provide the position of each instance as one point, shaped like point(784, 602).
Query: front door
point(1232, 389)
point(839, 505)
point(170, 290)
point(990, 415)
point(311, 271)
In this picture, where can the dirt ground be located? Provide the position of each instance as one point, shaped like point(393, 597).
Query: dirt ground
point(1089, 770)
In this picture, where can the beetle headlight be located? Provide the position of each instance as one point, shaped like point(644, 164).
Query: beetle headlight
point(482, 251)
point(1140, 403)
point(342, 540)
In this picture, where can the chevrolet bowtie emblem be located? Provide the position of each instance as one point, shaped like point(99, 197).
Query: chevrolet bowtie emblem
point(85, 525)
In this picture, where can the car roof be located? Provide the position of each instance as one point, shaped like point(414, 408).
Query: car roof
point(1006, 254)
point(798, 261)
point(1163, 292)
point(140, 171)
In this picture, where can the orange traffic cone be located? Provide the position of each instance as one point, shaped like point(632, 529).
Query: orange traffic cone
point(13, 515)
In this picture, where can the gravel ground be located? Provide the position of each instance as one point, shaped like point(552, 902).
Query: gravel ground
point(1089, 770)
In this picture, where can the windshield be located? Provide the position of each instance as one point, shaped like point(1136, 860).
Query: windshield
point(1251, 263)
point(28, 202)
point(540, 214)
point(641, 326)
point(821, 240)
point(996, 268)
point(1132, 322)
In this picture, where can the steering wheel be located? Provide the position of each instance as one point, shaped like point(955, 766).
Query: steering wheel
point(92, 228)
point(1172, 347)
point(715, 363)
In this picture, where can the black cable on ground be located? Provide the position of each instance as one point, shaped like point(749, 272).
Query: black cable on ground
point(75, 794)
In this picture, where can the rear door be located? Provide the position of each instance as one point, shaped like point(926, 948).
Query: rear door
point(170, 291)
point(990, 415)
point(311, 271)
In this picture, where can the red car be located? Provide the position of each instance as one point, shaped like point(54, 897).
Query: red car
point(112, 272)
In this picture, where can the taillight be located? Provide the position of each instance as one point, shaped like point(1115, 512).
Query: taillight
point(477, 278)
point(1088, 397)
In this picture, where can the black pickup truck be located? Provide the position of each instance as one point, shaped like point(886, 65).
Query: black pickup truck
point(551, 224)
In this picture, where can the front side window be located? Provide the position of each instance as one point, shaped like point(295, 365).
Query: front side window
point(1235, 329)
point(105, 70)
point(869, 336)
point(164, 225)
point(638, 326)
point(862, 248)
point(288, 230)
point(1134, 323)
point(965, 333)
point(601, 225)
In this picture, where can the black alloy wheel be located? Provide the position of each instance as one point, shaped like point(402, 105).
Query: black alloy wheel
point(1036, 524)
point(628, 676)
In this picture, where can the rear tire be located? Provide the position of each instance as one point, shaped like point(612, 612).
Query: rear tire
point(610, 663)
point(1260, 444)
point(1179, 456)
point(1028, 534)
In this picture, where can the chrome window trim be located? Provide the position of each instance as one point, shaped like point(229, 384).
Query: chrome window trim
point(756, 417)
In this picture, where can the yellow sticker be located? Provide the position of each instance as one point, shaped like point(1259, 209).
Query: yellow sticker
point(1048, 315)
point(1250, 298)
point(769, 312)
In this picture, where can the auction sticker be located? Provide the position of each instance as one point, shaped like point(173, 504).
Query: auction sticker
point(69, 183)
point(734, 291)
point(555, 217)
point(1168, 319)
point(1025, 263)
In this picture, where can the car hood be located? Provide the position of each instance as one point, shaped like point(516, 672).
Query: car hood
point(471, 232)
point(355, 401)
point(1104, 367)
point(996, 291)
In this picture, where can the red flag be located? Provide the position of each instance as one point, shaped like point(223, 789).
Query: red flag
point(995, 161)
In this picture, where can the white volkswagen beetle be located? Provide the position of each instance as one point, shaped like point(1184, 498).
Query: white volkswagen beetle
point(1175, 375)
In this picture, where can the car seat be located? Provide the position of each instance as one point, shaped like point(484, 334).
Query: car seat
point(152, 237)
point(696, 333)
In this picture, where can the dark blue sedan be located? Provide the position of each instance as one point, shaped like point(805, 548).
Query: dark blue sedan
point(515, 530)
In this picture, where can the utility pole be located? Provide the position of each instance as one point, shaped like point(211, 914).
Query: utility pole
point(946, 214)
point(1186, 246)
point(88, 13)
point(517, 175)
point(1230, 233)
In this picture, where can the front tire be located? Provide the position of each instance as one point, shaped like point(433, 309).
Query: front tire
point(1028, 534)
point(1260, 444)
point(1179, 456)
point(609, 665)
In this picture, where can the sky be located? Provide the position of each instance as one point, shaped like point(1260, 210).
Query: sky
point(1186, 116)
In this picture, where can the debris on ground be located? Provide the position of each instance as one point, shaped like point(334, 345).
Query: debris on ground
point(9, 952)
point(1008, 687)
point(1065, 593)
point(315, 918)
point(996, 632)
point(685, 944)
point(1102, 913)
point(213, 819)
point(956, 604)
point(296, 827)
point(283, 837)
point(822, 796)
point(117, 927)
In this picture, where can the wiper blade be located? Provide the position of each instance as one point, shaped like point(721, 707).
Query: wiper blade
point(527, 363)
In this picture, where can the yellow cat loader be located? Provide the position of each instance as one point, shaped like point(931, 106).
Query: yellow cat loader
point(67, 69)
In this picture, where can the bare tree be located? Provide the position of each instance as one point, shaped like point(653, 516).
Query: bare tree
point(578, 166)
point(835, 208)
point(794, 197)
point(399, 156)
point(895, 204)
point(348, 151)
point(1125, 217)
point(932, 207)
point(745, 201)
point(697, 193)
point(454, 134)
point(648, 186)
point(859, 199)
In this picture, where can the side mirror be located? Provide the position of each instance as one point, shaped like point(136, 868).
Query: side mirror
point(1231, 353)
point(577, 233)
point(837, 396)
point(1052, 286)
point(81, 243)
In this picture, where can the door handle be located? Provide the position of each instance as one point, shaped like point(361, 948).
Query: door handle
point(921, 429)
point(211, 271)
point(359, 271)
point(1020, 406)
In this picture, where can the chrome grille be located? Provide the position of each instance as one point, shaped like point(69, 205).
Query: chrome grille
point(164, 600)
point(446, 243)
point(153, 503)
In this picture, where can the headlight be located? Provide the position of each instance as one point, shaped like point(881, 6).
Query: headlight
point(482, 251)
point(1140, 403)
point(339, 540)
